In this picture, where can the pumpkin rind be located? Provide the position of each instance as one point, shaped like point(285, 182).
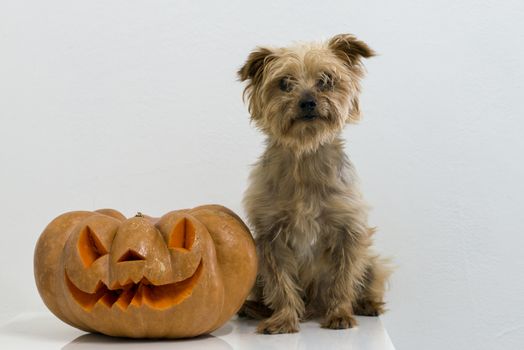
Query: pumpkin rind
point(180, 275)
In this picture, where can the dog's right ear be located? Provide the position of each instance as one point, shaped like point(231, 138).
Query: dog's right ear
point(253, 69)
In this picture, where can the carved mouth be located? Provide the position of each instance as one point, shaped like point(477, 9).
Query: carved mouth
point(144, 292)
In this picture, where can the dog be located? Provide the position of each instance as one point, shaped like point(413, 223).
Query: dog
point(303, 202)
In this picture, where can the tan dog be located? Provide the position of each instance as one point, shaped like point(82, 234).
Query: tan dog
point(303, 203)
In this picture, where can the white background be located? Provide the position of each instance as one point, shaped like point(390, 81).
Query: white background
point(135, 105)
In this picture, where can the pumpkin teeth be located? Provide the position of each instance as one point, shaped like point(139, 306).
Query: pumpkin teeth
point(84, 299)
point(131, 293)
point(137, 298)
point(122, 285)
point(126, 297)
point(137, 280)
point(110, 297)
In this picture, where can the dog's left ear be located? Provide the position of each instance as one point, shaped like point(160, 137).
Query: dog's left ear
point(349, 49)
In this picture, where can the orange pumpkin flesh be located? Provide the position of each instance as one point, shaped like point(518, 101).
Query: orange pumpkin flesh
point(181, 275)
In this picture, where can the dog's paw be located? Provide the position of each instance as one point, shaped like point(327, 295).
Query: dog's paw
point(254, 309)
point(339, 322)
point(277, 326)
point(369, 308)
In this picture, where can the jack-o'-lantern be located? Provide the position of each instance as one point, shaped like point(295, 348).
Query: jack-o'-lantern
point(180, 275)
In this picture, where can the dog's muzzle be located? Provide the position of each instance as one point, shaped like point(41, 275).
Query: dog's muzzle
point(308, 117)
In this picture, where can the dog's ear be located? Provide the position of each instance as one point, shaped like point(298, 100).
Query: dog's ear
point(253, 69)
point(349, 49)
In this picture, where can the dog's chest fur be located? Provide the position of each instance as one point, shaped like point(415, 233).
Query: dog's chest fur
point(289, 197)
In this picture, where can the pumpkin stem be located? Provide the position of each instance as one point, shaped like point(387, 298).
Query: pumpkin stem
point(139, 215)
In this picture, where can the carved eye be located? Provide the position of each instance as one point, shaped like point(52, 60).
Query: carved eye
point(326, 82)
point(183, 235)
point(90, 247)
point(285, 84)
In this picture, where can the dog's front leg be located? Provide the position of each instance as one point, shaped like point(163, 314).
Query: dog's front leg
point(278, 273)
point(342, 279)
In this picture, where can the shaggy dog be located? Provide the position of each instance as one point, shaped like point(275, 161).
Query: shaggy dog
point(303, 202)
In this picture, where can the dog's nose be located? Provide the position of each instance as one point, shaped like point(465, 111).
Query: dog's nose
point(308, 103)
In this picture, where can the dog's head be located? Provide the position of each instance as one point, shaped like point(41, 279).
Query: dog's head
point(302, 96)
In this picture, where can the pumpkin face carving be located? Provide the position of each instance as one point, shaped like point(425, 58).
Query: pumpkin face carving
point(181, 275)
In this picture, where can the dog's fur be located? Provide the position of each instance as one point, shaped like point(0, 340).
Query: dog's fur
point(303, 203)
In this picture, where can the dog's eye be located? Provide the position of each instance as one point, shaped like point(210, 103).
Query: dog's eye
point(326, 82)
point(285, 84)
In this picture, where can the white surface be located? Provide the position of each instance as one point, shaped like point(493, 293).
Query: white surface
point(135, 105)
point(42, 331)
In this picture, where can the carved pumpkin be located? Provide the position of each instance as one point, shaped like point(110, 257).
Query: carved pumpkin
point(181, 275)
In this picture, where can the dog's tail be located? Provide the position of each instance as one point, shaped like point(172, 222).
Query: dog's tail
point(255, 309)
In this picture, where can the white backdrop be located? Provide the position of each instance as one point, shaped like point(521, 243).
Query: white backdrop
point(135, 105)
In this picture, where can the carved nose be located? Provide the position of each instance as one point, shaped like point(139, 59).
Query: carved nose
point(308, 104)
